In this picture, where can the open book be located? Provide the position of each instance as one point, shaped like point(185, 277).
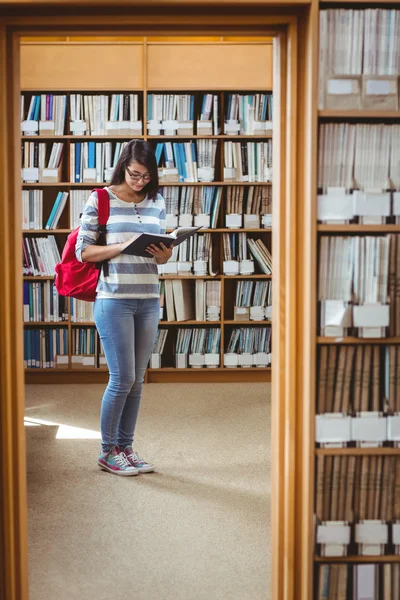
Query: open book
point(138, 246)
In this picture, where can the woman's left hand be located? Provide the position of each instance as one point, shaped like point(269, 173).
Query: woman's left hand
point(161, 253)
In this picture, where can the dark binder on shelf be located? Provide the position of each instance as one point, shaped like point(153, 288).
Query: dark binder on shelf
point(138, 246)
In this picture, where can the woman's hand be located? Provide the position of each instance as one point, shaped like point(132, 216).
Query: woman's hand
point(161, 253)
point(124, 245)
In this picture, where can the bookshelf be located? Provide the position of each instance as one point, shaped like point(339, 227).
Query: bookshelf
point(159, 65)
point(333, 382)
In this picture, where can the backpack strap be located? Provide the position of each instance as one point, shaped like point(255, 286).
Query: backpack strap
point(103, 214)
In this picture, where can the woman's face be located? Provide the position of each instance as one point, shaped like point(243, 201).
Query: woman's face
point(137, 176)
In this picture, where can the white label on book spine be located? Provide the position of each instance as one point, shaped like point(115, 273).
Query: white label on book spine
point(30, 174)
point(181, 361)
point(170, 125)
point(261, 359)
point(89, 175)
point(393, 428)
point(211, 360)
point(333, 428)
point(46, 125)
point(154, 125)
point(369, 427)
point(205, 174)
point(233, 221)
point(171, 221)
point(29, 126)
point(155, 361)
point(246, 360)
point(204, 124)
point(371, 532)
point(251, 221)
point(335, 207)
point(200, 267)
point(229, 173)
point(61, 360)
point(371, 315)
point(185, 220)
point(202, 221)
point(380, 87)
point(185, 125)
point(371, 204)
point(170, 268)
point(231, 267)
point(333, 532)
point(88, 361)
point(78, 126)
point(231, 360)
point(50, 174)
point(266, 220)
point(342, 87)
point(246, 267)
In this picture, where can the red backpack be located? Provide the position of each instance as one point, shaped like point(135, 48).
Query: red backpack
point(79, 279)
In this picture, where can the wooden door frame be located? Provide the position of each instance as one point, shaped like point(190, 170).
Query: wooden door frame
point(289, 242)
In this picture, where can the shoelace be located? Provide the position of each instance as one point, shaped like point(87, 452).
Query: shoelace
point(121, 460)
point(135, 457)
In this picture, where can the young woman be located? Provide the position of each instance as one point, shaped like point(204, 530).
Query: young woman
point(126, 309)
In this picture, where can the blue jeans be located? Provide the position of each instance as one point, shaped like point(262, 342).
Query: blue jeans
point(127, 329)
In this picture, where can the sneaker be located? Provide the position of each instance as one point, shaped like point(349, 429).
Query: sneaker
point(141, 465)
point(117, 463)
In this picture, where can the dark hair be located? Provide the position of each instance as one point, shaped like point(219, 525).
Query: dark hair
point(141, 152)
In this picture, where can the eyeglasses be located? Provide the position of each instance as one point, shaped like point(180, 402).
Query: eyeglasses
point(138, 176)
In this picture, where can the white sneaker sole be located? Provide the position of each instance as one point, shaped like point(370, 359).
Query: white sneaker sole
point(146, 469)
point(129, 473)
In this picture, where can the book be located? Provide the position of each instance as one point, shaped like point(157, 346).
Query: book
point(144, 240)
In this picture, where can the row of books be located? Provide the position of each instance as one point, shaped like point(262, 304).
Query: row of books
point(81, 312)
point(249, 340)
point(236, 246)
point(46, 113)
point(356, 488)
point(182, 200)
point(40, 255)
point(186, 161)
point(248, 161)
point(183, 205)
point(45, 348)
point(354, 43)
point(39, 155)
point(91, 114)
point(198, 341)
point(250, 200)
point(170, 107)
point(250, 110)
point(99, 111)
point(184, 301)
point(358, 285)
point(356, 379)
point(42, 303)
point(358, 582)
point(360, 156)
point(253, 293)
point(94, 161)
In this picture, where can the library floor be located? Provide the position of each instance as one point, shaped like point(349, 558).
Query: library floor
point(197, 529)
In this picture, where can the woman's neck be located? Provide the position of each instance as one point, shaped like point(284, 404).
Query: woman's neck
point(127, 194)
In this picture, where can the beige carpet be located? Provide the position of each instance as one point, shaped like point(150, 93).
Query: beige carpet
point(198, 529)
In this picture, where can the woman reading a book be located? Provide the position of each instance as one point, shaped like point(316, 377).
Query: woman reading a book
point(126, 309)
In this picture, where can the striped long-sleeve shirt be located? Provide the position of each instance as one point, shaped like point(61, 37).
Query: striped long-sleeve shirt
point(129, 276)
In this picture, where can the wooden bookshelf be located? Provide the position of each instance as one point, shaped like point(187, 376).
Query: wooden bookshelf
point(158, 74)
point(324, 117)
